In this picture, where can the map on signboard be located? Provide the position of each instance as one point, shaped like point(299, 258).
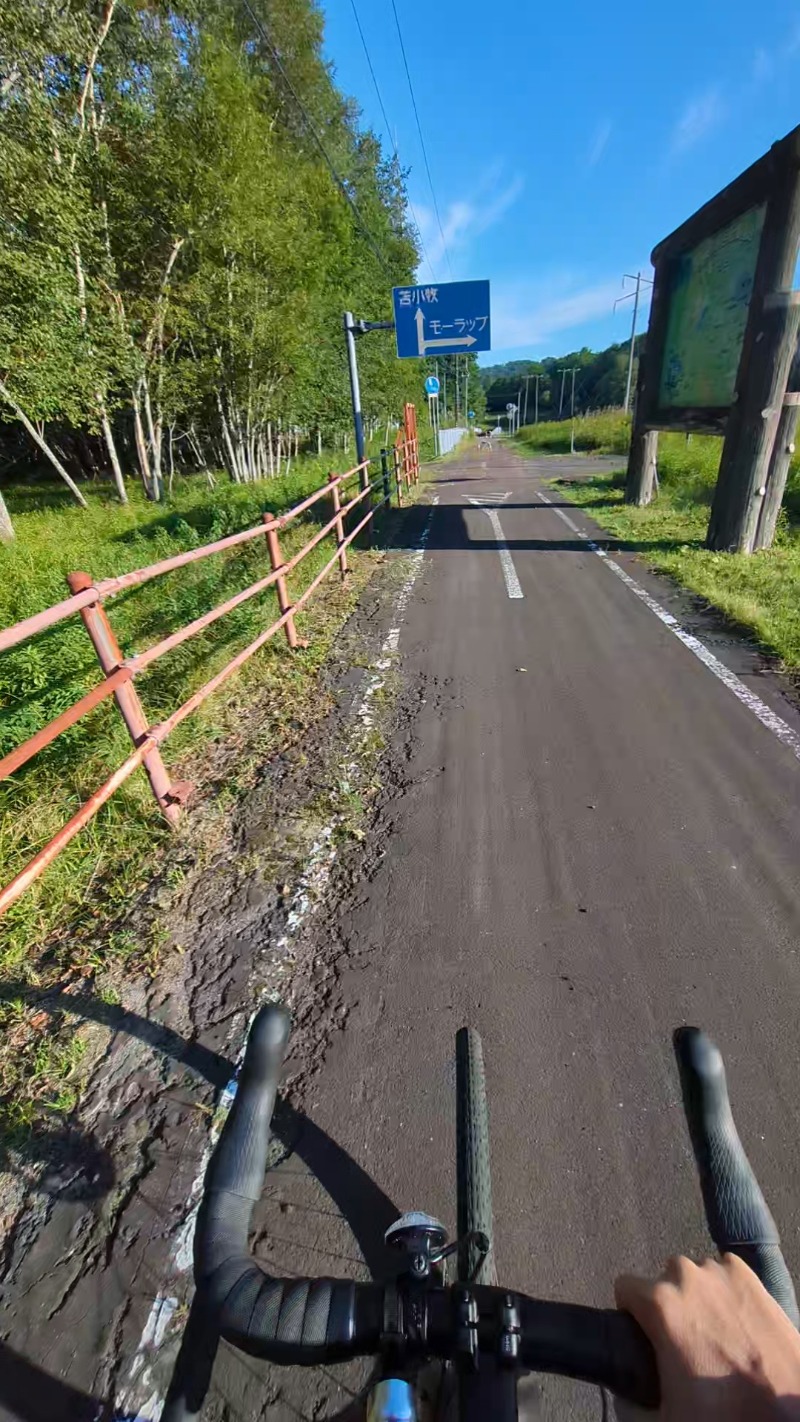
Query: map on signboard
point(709, 298)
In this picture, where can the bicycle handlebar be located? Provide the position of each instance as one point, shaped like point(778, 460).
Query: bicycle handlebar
point(309, 1321)
point(739, 1220)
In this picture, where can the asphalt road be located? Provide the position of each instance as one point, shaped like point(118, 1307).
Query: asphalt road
point(596, 841)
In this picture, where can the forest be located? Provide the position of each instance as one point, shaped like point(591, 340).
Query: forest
point(188, 205)
point(599, 382)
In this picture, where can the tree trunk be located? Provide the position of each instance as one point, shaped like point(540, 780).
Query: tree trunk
point(42, 444)
point(6, 526)
point(108, 435)
point(141, 447)
point(154, 434)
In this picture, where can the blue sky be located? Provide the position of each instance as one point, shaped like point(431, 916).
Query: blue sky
point(566, 141)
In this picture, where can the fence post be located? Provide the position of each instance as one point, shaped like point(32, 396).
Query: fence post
point(387, 488)
point(398, 480)
point(109, 655)
point(276, 559)
point(337, 504)
point(363, 479)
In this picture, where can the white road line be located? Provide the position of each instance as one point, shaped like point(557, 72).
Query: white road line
point(305, 900)
point(509, 571)
point(748, 698)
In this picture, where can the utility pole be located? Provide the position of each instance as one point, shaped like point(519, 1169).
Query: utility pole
point(351, 330)
point(355, 388)
point(635, 294)
point(528, 379)
point(572, 412)
point(519, 406)
point(537, 378)
point(563, 374)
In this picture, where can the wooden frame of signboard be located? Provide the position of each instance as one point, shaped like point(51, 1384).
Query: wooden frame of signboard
point(726, 374)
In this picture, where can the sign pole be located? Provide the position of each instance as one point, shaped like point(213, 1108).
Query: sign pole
point(355, 388)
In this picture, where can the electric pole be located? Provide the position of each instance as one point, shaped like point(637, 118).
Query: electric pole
point(519, 406)
point(537, 378)
point(572, 412)
point(563, 374)
point(635, 294)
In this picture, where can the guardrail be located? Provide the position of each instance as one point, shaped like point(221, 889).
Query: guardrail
point(88, 599)
point(448, 439)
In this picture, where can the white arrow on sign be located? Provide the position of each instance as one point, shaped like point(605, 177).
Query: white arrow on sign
point(423, 345)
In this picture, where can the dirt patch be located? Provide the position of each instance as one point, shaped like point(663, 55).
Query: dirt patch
point(94, 1266)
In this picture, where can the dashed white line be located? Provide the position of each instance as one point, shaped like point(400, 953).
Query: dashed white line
point(748, 698)
point(506, 561)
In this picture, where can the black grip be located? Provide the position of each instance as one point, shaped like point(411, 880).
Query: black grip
point(599, 1346)
point(235, 1174)
point(739, 1220)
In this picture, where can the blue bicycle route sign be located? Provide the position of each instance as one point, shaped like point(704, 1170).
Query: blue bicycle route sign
point(431, 385)
point(442, 320)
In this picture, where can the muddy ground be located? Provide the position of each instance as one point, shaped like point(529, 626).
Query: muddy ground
point(95, 1281)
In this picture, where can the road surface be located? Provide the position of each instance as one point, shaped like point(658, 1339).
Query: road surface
point(587, 836)
point(596, 841)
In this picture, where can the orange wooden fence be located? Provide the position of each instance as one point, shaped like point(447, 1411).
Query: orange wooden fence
point(88, 599)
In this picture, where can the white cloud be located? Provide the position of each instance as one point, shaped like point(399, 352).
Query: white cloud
point(763, 66)
point(464, 220)
point(525, 316)
point(599, 142)
point(699, 117)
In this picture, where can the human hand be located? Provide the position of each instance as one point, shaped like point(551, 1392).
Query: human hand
point(725, 1348)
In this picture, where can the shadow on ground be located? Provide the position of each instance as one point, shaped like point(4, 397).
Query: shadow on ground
point(71, 1160)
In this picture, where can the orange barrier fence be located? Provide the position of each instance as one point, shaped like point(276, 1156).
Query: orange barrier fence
point(88, 601)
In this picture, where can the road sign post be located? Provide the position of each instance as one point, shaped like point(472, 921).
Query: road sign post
point(355, 388)
point(453, 319)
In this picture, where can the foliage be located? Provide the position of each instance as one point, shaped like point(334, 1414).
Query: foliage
point(176, 254)
point(600, 381)
point(110, 860)
point(603, 432)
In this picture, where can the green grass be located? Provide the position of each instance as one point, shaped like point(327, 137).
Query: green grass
point(760, 593)
point(604, 432)
point(65, 923)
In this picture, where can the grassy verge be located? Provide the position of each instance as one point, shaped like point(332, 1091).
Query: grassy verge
point(66, 924)
point(760, 593)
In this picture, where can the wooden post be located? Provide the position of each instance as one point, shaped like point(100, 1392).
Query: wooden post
point(366, 504)
point(782, 451)
point(284, 604)
point(337, 504)
point(110, 657)
point(398, 480)
point(387, 488)
point(767, 353)
point(642, 463)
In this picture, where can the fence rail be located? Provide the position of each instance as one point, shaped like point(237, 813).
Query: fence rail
point(88, 600)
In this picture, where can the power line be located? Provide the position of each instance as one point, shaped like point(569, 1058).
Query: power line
point(388, 128)
point(421, 139)
point(313, 131)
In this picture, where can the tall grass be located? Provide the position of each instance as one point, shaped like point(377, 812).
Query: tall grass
point(601, 432)
point(112, 858)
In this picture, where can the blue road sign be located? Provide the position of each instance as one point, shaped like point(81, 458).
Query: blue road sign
point(471, 414)
point(452, 319)
point(431, 385)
